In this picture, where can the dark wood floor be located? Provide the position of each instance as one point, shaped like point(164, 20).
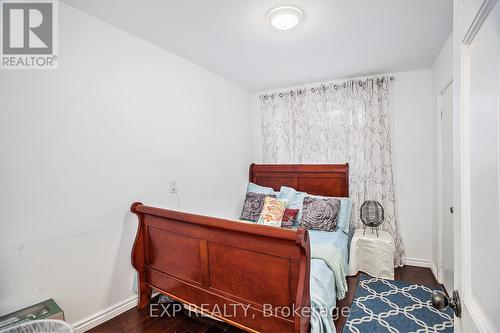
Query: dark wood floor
point(135, 321)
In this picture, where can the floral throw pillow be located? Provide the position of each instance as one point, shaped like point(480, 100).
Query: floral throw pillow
point(289, 217)
point(320, 213)
point(252, 207)
point(273, 211)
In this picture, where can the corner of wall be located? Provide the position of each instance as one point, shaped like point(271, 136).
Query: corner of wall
point(256, 122)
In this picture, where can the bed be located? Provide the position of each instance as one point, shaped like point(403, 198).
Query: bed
point(251, 276)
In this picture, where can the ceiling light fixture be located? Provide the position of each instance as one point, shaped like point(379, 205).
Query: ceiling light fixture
point(285, 17)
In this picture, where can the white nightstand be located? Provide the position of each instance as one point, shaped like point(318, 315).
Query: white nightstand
point(371, 254)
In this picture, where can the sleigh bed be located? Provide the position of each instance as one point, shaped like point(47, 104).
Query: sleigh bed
point(244, 274)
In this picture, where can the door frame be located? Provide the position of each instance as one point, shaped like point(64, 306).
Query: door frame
point(440, 208)
point(466, 25)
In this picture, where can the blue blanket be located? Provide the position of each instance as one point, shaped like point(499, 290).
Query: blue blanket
point(323, 279)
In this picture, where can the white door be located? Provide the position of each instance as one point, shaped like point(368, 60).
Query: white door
point(447, 188)
point(476, 163)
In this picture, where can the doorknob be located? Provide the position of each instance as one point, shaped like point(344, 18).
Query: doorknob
point(441, 301)
point(452, 210)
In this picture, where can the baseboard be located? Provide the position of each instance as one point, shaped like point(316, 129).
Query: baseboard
point(423, 263)
point(435, 272)
point(103, 316)
point(418, 262)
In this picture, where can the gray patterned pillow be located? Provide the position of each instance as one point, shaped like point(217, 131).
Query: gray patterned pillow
point(320, 213)
point(253, 205)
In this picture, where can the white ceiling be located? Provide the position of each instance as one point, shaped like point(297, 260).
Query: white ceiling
point(336, 39)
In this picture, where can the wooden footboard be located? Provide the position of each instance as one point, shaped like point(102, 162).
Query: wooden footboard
point(252, 276)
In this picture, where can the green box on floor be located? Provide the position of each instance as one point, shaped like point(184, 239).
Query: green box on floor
point(44, 310)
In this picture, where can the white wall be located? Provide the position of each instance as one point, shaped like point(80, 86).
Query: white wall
point(411, 116)
point(114, 124)
point(442, 73)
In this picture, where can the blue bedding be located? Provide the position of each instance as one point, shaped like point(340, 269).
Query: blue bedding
point(322, 282)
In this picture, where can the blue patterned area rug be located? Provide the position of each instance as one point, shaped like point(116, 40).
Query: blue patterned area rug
point(393, 306)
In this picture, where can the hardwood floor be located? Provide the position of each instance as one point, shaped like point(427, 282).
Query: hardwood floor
point(135, 321)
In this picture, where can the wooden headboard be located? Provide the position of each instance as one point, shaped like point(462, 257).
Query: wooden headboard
point(320, 179)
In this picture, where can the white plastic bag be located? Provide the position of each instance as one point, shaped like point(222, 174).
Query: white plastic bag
point(41, 326)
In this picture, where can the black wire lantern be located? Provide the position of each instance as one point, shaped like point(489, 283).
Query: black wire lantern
point(372, 215)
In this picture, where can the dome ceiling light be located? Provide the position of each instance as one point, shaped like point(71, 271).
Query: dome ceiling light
point(285, 17)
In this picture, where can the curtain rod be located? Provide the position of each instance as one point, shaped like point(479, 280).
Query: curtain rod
point(334, 84)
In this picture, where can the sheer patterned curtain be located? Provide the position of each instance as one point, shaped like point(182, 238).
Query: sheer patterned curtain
point(338, 123)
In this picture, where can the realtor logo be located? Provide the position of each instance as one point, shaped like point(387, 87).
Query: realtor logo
point(29, 34)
